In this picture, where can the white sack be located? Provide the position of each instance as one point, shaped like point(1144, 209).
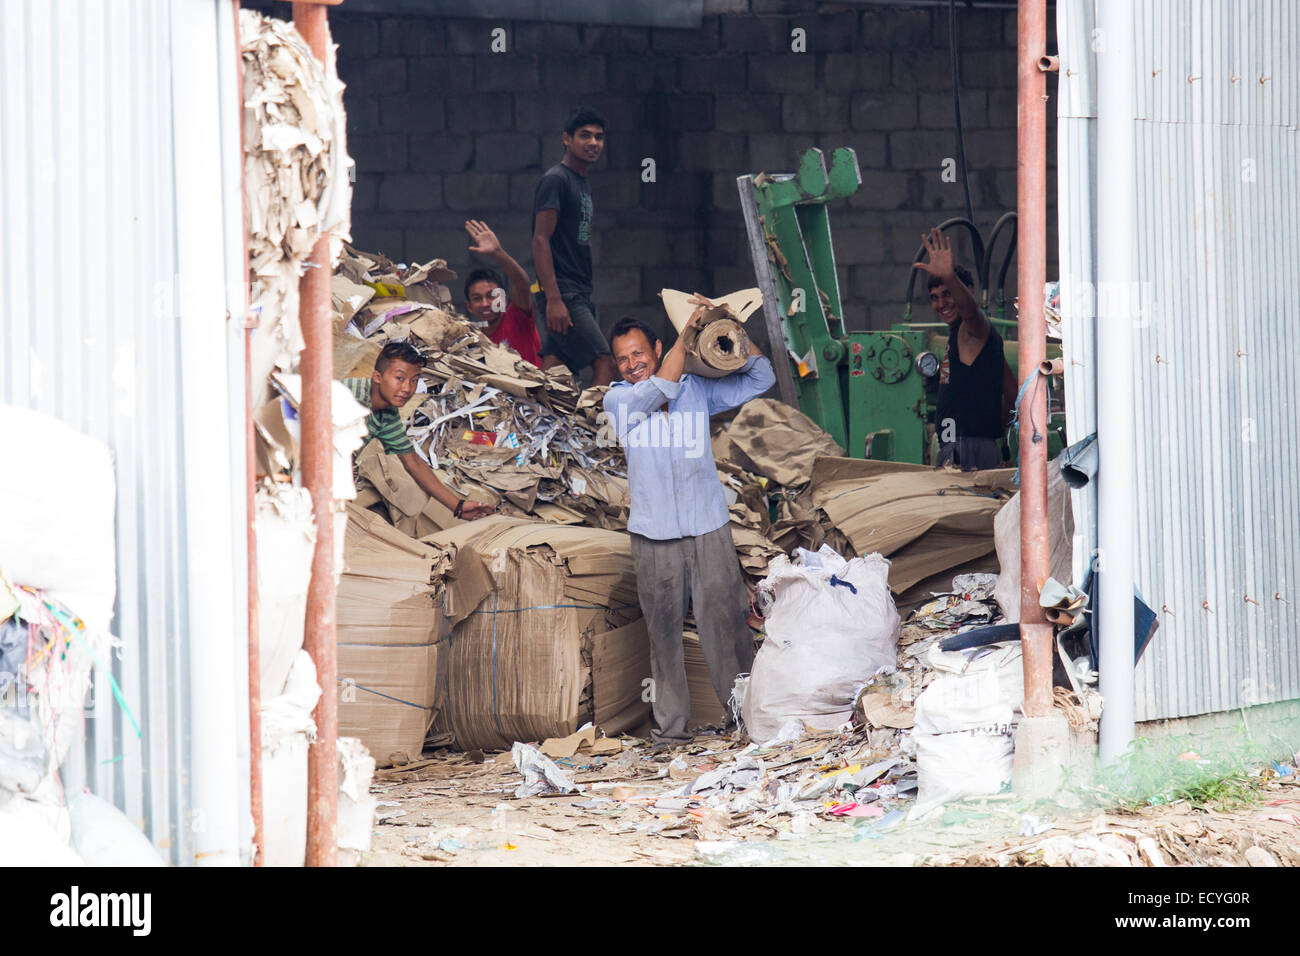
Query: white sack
point(955, 766)
point(56, 514)
point(824, 640)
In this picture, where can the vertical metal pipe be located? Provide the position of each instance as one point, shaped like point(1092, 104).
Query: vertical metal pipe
point(1031, 213)
point(317, 472)
point(250, 501)
point(1116, 304)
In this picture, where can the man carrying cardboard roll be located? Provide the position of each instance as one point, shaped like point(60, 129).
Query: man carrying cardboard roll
point(679, 524)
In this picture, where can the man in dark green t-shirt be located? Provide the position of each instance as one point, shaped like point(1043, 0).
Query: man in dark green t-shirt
point(390, 387)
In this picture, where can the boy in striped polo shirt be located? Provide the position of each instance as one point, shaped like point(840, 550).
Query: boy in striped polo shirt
point(390, 387)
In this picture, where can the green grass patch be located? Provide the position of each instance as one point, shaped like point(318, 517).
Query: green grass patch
point(1165, 770)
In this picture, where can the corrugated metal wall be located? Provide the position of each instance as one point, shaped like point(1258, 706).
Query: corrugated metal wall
point(1218, 221)
point(120, 253)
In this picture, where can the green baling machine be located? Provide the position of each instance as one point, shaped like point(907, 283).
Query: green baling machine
point(874, 392)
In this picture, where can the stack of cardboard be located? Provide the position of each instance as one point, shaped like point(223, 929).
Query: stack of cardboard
point(930, 523)
point(558, 642)
point(706, 709)
point(390, 627)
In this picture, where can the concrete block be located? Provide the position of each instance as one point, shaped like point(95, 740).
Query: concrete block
point(480, 112)
point(583, 73)
point(603, 38)
point(782, 73)
point(725, 193)
point(472, 36)
point(505, 72)
point(627, 150)
point(613, 190)
point(363, 114)
point(747, 112)
point(870, 147)
point(803, 113)
point(724, 153)
point(1002, 110)
point(1043, 751)
point(936, 112)
point(860, 70)
point(357, 36)
point(639, 247)
point(756, 35)
point(775, 152)
point(688, 111)
point(379, 153)
point(712, 74)
point(409, 113)
point(548, 39)
point(641, 74)
point(889, 110)
point(715, 7)
point(449, 241)
point(893, 29)
point(373, 77)
point(476, 192)
point(676, 189)
point(440, 75)
point(921, 70)
point(977, 29)
point(828, 31)
point(506, 152)
point(886, 189)
point(988, 69)
point(862, 244)
point(410, 192)
point(441, 153)
point(922, 149)
point(783, 6)
point(617, 284)
point(365, 193)
point(704, 39)
point(411, 36)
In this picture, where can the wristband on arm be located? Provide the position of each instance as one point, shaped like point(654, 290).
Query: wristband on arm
point(460, 506)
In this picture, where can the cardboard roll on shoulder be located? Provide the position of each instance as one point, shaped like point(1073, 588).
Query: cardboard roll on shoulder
point(716, 345)
point(718, 349)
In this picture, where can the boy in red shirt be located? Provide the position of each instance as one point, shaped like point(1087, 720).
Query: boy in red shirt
point(509, 321)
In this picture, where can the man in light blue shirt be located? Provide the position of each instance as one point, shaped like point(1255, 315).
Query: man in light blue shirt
point(679, 524)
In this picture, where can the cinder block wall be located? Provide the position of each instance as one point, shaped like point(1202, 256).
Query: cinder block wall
point(442, 128)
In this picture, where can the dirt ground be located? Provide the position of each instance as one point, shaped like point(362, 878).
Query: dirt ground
point(460, 810)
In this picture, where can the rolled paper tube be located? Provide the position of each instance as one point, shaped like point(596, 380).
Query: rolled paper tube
point(718, 349)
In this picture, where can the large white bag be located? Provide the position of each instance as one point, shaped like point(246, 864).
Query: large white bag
point(954, 766)
point(831, 626)
point(56, 514)
point(977, 689)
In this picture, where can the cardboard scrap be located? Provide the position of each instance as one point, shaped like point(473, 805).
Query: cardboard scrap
point(924, 520)
point(882, 710)
point(779, 442)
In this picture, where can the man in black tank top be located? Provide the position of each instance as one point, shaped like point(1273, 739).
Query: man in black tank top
point(976, 387)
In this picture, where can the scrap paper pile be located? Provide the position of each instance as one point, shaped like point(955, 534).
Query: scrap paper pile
point(494, 427)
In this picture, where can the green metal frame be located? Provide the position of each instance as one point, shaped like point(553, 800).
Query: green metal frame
point(863, 388)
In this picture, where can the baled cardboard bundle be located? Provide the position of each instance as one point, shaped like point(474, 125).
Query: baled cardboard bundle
point(390, 622)
point(558, 642)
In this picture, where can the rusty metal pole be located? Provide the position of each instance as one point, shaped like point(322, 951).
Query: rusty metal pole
point(250, 503)
point(317, 472)
point(1031, 212)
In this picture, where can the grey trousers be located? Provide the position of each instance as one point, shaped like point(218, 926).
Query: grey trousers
point(668, 575)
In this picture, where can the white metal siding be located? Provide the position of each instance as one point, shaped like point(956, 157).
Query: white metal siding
point(1218, 221)
point(119, 227)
